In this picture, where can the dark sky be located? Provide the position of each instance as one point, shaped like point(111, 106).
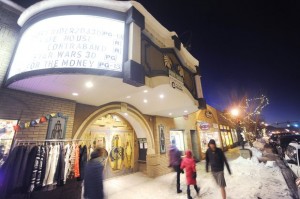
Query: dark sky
point(245, 48)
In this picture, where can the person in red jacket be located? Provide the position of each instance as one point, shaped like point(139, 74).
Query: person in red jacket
point(188, 163)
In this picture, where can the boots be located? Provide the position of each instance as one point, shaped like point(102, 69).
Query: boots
point(178, 188)
point(189, 194)
point(197, 190)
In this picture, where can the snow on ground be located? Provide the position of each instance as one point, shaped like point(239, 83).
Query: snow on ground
point(249, 180)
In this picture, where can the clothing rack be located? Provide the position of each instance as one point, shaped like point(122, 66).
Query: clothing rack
point(54, 140)
point(17, 142)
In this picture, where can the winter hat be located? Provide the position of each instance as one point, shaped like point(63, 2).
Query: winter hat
point(212, 141)
point(95, 154)
point(188, 154)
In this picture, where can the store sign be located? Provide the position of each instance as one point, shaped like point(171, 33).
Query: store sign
point(71, 41)
point(176, 81)
point(208, 114)
point(204, 126)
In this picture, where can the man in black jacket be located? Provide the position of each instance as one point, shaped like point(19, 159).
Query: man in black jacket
point(216, 158)
point(93, 177)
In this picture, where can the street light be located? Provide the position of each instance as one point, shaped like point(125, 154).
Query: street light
point(235, 112)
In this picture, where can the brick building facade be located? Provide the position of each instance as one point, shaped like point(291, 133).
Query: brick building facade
point(20, 104)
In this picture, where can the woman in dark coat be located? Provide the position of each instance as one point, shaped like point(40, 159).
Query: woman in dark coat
point(93, 177)
point(188, 163)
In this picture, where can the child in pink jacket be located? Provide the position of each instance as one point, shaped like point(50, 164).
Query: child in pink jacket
point(188, 163)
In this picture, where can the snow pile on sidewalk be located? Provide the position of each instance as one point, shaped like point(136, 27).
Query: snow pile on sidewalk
point(249, 180)
point(252, 179)
point(259, 145)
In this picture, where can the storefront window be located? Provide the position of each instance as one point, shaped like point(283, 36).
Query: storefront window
point(178, 137)
point(6, 137)
point(223, 138)
point(226, 137)
point(207, 132)
point(229, 135)
point(234, 135)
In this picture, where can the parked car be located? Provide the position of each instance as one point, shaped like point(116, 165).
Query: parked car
point(292, 154)
point(283, 142)
point(273, 140)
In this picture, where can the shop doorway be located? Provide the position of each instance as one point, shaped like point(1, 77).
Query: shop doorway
point(195, 145)
point(177, 138)
point(113, 133)
point(136, 124)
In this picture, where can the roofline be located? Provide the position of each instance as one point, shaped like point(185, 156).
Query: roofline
point(13, 5)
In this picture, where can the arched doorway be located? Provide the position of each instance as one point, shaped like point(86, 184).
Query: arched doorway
point(118, 127)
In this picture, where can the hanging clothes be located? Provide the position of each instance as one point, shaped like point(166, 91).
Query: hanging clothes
point(53, 165)
point(17, 167)
point(71, 170)
point(83, 161)
point(35, 170)
point(48, 166)
point(20, 181)
point(90, 152)
point(29, 167)
point(76, 164)
point(44, 165)
point(38, 183)
point(7, 173)
point(60, 168)
point(67, 161)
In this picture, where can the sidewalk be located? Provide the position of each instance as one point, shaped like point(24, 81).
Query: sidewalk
point(250, 180)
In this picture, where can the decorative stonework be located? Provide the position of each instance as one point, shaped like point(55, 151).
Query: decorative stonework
point(168, 62)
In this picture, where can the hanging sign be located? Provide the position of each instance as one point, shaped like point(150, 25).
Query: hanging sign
point(70, 41)
point(176, 81)
point(208, 114)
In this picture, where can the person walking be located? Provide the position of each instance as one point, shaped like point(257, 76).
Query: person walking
point(175, 161)
point(216, 159)
point(93, 177)
point(189, 164)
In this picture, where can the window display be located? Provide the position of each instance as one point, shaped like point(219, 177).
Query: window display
point(178, 137)
point(229, 136)
point(234, 135)
point(223, 139)
point(208, 132)
point(7, 133)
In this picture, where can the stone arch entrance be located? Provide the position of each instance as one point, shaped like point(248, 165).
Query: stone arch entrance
point(131, 123)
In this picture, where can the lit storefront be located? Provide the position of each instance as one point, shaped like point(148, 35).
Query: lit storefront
point(227, 131)
point(226, 136)
point(207, 127)
point(114, 134)
point(104, 74)
point(234, 136)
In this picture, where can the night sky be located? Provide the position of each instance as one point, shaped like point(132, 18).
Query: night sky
point(245, 48)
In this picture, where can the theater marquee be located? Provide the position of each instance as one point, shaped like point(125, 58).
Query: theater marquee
point(70, 41)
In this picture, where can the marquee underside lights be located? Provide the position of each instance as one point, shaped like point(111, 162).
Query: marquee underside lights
point(70, 41)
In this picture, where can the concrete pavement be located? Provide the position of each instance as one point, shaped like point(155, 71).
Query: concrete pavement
point(138, 185)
